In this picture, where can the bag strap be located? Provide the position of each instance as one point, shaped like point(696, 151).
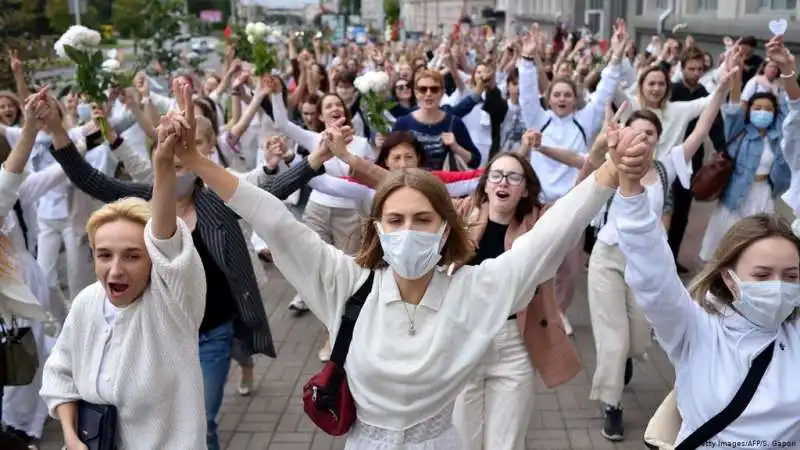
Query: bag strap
point(662, 176)
point(737, 405)
point(351, 311)
point(738, 147)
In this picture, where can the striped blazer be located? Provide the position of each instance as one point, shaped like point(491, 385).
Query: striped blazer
point(219, 229)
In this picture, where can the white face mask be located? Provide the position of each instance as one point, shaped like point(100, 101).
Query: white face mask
point(184, 185)
point(766, 303)
point(411, 254)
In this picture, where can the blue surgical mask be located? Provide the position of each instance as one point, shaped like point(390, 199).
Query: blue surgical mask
point(411, 254)
point(84, 112)
point(766, 304)
point(761, 119)
point(184, 184)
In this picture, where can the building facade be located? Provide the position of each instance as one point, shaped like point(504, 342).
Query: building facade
point(432, 15)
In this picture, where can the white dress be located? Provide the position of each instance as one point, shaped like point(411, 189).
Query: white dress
point(758, 200)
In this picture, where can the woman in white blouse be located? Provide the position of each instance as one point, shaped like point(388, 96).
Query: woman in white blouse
point(150, 291)
point(423, 329)
point(742, 303)
point(565, 126)
point(619, 328)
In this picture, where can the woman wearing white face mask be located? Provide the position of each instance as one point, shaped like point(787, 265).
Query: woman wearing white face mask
point(738, 320)
point(755, 137)
point(424, 328)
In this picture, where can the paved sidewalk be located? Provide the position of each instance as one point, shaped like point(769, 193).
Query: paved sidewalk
point(564, 418)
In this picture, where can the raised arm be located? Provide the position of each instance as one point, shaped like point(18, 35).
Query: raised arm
point(177, 275)
point(304, 138)
point(532, 112)
point(81, 173)
point(320, 272)
point(650, 268)
point(709, 115)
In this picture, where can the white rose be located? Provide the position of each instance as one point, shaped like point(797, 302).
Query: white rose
point(796, 227)
point(361, 84)
point(111, 66)
point(59, 48)
point(381, 81)
point(260, 30)
point(249, 29)
point(251, 39)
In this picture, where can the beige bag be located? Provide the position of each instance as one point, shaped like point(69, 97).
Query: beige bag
point(663, 428)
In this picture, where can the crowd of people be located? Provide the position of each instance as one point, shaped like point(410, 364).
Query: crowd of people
point(463, 228)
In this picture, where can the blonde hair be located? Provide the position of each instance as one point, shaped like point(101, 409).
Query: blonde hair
point(739, 238)
point(131, 209)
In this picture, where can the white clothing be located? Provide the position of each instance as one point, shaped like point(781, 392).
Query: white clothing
point(54, 204)
point(704, 346)
point(754, 87)
point(790, 146)
point(310, 140)
point(676, 166)
point(674, 117)
point(555, 177)
point(495, 408)
point(398, 380)
point(157, 388)
point(758, 200)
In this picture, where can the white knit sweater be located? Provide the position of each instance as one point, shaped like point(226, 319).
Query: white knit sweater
point(157, 383)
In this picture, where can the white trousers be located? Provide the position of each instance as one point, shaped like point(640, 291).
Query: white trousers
point(619, 326)
point(494, 409)
point(79, 259)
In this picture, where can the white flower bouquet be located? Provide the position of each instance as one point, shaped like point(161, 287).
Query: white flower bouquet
point(262, 54)
point(374, 90)
point(93, 75)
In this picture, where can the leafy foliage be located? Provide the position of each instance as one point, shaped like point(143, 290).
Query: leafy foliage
point(244, 49)
point(59, 17)
point(161, 37)
point(264, 59)
point(392, 10)
point(374, 106)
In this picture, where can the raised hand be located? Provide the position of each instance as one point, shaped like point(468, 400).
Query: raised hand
point(633, 157)
point(274, 150)
point(141, 84)
point(15, 62)
point(186, 147)
point(168, 134)
point(531, 139)
point(780, 55)
point(35, 109)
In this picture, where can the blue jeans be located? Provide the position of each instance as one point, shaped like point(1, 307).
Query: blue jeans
point(215, 360)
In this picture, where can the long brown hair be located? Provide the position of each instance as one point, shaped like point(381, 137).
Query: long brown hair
point(320, 123)
point(739, 238)
point(457, 249)
point(527, 204)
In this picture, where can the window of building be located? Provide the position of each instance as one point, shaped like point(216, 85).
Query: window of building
point(662, 5)
point(707, 5)
point(596, 4)
point(779, 5)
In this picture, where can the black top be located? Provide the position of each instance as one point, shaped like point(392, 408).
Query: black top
point(219, 300)
point(492, 243)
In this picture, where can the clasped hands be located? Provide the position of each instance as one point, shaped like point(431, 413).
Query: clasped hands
point(632, 156)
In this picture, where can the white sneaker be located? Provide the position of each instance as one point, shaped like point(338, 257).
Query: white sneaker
point(567, 325)
point(325, 353)
point(298, 306)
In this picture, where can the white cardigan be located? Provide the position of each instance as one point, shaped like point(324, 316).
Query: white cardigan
point(157, 383)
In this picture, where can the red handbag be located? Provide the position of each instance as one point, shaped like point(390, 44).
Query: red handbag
point(326, 396)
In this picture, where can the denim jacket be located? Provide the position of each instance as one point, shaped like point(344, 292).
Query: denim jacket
point(746, 146)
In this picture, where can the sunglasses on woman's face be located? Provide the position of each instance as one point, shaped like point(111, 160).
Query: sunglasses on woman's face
point(401, 86)
point(432, 89)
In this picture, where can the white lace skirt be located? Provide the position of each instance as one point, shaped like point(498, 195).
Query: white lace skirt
point(436, 433)
point(758, 200)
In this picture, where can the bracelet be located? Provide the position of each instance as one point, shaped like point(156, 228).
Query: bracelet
point(791, 75)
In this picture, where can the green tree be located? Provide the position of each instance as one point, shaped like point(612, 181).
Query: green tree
point(127, 18)
point(161, 39)
point(391, 8)
point(59, 17)
point(18, 25)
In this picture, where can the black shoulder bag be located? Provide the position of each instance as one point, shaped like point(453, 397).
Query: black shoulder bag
point(737, 405)
point(97, 425)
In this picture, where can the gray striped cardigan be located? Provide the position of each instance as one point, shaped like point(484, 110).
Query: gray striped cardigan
point(219, 230)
